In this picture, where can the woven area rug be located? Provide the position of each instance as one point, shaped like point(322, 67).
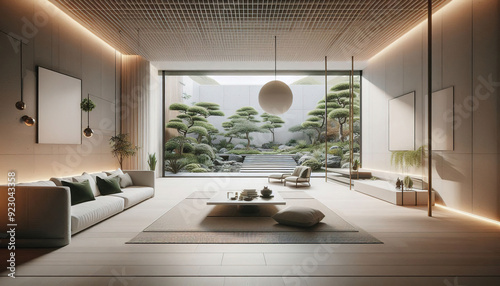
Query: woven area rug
point(193, 222)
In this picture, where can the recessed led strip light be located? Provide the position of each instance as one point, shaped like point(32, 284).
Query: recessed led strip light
point(470, 215)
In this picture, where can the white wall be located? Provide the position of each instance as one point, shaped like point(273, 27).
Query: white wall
point(56, 42)
point(465, 55)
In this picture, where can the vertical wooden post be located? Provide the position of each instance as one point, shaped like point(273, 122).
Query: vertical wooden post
point(429, 105)
point(326, 119)
point(351, 101)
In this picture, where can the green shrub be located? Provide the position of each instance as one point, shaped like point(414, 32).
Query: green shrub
point(302, 144)
point(336, 152)
point(204, 159)
point(192, 166)
point(291, 142)
point(313, 163)
point(199, 170)
point(204, 149)
point(318, 155)
point(188, 158)
point(239, 152)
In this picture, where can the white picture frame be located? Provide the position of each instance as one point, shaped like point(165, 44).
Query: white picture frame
point(401, 120)
point(59, 113)
point(443, 119)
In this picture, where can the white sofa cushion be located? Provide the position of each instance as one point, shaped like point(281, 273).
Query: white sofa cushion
point(57, 181)
point(134, 195)
point(89, 213)
point(87, 177)
point(115, 172)
point(94, 176)
point(125, 181)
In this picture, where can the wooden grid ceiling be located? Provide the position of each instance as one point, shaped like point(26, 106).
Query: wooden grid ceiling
point(244, 30)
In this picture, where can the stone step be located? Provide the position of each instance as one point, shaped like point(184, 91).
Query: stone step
point(265, 163)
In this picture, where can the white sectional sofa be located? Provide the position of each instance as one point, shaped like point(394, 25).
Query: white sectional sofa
point(46, 218)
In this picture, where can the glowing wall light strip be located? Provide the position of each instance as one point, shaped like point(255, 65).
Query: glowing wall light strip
point(55, 12)
point(470, 215)
point(413, 30)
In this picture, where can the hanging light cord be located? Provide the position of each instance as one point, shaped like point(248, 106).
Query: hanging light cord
point(275, 57)
point(88, 112)
point(21, 56)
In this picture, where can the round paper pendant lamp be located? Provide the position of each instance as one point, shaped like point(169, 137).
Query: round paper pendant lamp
point(275, 97)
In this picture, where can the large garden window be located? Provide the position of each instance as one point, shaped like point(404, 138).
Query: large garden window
point(214, 124)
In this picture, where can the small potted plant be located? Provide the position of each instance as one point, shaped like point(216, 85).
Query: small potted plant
point(152, 162)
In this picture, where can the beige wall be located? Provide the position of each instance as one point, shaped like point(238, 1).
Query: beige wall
point(465, 55)
point(58, 43)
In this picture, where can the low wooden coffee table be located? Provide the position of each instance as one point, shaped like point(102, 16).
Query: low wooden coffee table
point(247, 206)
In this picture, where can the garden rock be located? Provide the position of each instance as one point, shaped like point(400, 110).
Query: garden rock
point(223, 151)
point(284, 147)
point(297, 156)
point(305, 158)
point(234, 157)
point(334, 147)
point(239, 147)
point(218, 162)
point(333, 161)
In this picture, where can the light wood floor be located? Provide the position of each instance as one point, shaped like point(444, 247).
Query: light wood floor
point(449, 249)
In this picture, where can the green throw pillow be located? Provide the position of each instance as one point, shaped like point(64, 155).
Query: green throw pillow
point(80, 192)
point(108, 186)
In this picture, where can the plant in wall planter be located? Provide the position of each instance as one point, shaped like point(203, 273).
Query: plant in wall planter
point(152, 161)
point(87, 105)
point(121, 148)
point(407, 159)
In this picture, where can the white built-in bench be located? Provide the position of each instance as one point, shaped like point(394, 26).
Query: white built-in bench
point(387, 191)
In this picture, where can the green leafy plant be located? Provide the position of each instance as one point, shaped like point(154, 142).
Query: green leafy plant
point(407, 158)
point(152, 161)
point(408, 182)
point(174, 165)
point(355, 165)
point(121, 148)
point(87, 105)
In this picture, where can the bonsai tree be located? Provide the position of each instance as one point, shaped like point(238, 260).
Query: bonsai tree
point(242, 128)
point(338, 99)
point(307, 131)
point(121, 148)
point(337, 108)
point(271, 122)
point(193, 119)
point(242, 123)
